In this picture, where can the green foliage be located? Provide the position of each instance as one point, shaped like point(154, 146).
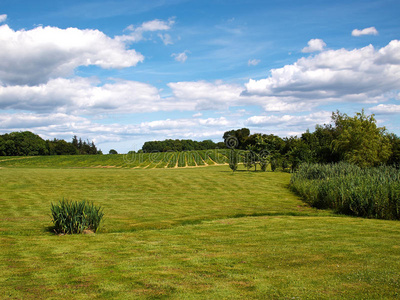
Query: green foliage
point(274, 165)
point(29, 144)
point(356, 140)
point(360, 141)
point(241, 136)
point(178, 145)
point(248, 159)
point(394, 159)
point(349, 189)
point(21, 144)
point(233, 160)
point(74, 217)
point(112, 151)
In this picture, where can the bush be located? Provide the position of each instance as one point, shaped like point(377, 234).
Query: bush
point(75, 217)
point(349, 189)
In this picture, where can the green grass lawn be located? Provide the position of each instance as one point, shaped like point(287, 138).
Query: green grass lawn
point(193, 233)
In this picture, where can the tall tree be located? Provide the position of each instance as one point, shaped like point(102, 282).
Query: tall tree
point(360, 140)
point(241, 136)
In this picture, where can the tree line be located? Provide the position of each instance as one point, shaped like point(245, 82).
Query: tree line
point(180, 145)
point(27, 143)
point(357, 140)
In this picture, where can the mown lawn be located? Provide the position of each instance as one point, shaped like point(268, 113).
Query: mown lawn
point(195, 233)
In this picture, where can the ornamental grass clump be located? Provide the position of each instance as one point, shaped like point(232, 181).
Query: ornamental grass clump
point(76, 217)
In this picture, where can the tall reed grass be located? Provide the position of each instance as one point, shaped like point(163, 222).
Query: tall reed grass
point(348, 189)
point(76, 217)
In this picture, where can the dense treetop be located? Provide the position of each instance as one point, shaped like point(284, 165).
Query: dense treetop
point(27, 143)
point(180, 145)
point(356, 140)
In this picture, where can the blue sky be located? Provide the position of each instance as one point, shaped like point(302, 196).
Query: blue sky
point(125, 72)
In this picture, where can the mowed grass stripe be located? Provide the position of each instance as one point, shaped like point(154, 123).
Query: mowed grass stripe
point(188, 233)
point(145, 198)
point(247, 258)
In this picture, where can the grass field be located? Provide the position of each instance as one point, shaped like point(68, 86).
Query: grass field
point(186, 233)
point(137, 160)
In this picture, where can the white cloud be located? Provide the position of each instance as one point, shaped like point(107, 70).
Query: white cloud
point(253, 62)
point(272, 104)
point(386, 109)
point(181, 57)
point(206, 95)
point(3, 18)
point(65, 126)
point(82, 95)
point(34, 56)
point(156, 25)
point(88, 96)
point(290, 121)
point(166, 38)
point(183, 123)
point(365, 31)
point(360, 75)
point(136, 34)
point(18, 121)
point(314, 45)
point(197, 128)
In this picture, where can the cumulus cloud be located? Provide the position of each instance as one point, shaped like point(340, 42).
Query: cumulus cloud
point(386, 109)
point(3, 18)
point(89, 96)
point(179, 123)
point(271, 104)
point(181, 57)
point(137, 33)
point(314, 45)
point(360, 75)
point(65, 126)
point(365, 31)
point(34, 56)
point(287, 121)
point(206, 95)
point(18, 121)
point(253, 62)
point(83, 95)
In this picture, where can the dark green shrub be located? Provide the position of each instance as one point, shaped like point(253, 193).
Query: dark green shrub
point(75, 217)
point(274, 165)
point(233, 160)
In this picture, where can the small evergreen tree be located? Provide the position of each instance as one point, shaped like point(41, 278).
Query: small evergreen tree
point(233, 161)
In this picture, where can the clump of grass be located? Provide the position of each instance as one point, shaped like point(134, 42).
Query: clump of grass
point(349, 189)
point(75, 217)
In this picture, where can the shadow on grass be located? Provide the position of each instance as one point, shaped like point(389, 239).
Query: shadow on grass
point(50, 229)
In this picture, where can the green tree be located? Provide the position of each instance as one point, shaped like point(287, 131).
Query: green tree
point(395, 156)
point(112, 151)
point(233, 160)
point(360, 140)
point(241, 136)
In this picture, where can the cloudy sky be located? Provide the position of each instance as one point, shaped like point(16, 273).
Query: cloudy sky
point(124, 72)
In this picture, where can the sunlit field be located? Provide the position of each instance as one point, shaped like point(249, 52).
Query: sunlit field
point(185, 233)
